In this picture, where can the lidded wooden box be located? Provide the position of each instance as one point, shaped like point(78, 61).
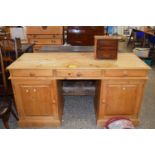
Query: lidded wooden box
point(106, 47)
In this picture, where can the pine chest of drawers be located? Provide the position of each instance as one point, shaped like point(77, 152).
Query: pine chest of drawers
point(44, 35)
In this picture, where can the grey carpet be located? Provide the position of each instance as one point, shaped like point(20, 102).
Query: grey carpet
point(79, 112)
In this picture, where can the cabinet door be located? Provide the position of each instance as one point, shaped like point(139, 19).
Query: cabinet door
point(120, 98)
point(37, 98)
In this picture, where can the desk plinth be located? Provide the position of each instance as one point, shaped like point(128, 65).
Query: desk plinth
point(36, 80)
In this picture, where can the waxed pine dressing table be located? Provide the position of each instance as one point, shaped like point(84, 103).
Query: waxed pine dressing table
point(36, 81)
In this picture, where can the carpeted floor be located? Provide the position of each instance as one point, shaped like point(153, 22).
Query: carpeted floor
point(79, 110)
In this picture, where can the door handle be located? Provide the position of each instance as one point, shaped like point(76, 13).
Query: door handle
point(53, 101)
point(103, 101)
point(34, 90)
point(124, 88)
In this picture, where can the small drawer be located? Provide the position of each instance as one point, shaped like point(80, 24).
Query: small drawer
point(36, 48)
point(31, 73)
point(56, 41)
point(42, 36)
point(44, 30)
point(107, 48)
point(107, 43)
point(78, 73)
point(125, 73)
point(46, 41)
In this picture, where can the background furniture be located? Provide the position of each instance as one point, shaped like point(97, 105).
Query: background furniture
point(4, 32)
point(137, 38)
point(5, 103)
point(37, 90)
point(11, 47)
point(83, 35)
point(144, 38)
point(44, 35)
point(10, 50)
point(5, 111)
point(106, 47)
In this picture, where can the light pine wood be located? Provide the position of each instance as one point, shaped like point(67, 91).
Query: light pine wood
point(44, 35)
point(37, 102)
point(47, 30)
point(36, 80)
point(63, 60)
point(78, 73)
point(125, 73)
point(119, 98)
point(32, 73)
point(46, 41)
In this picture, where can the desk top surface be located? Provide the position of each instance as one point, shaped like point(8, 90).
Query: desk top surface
point(73, 60)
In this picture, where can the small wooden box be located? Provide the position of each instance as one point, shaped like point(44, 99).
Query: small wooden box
point(106, 47)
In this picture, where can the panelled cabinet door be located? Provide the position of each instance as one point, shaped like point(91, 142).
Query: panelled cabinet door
point(119, 98)
point(37, 98)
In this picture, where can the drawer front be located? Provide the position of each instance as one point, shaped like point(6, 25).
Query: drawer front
point(47, 41)
point(36, 48)
point(78, 73)
point(125, 73)
point(31, 73)
point(107, 43)
point(107, 54)
point(44, 29)
point(54, 36)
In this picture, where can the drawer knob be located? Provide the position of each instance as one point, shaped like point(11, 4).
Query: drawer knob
point(34, 90)
point(125, 73)
point(27, 90)
point(103, 101)
point(53, 41)
point(124, 88)
point(79, 74)
point(32, 74)
point(69, 73)
point(54, 101)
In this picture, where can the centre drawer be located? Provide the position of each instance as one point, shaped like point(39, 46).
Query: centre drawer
point(31, 73)
point(125, 73)
point(78, 73)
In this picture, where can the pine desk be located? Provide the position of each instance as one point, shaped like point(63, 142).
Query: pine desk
point(36, 81)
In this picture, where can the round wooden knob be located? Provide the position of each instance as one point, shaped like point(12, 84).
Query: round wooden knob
point(32, 74)
point(27, 90)
point(124, 88)
point(78, 74)
point(34, 90)
point(125, 73)
point(103, 101)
